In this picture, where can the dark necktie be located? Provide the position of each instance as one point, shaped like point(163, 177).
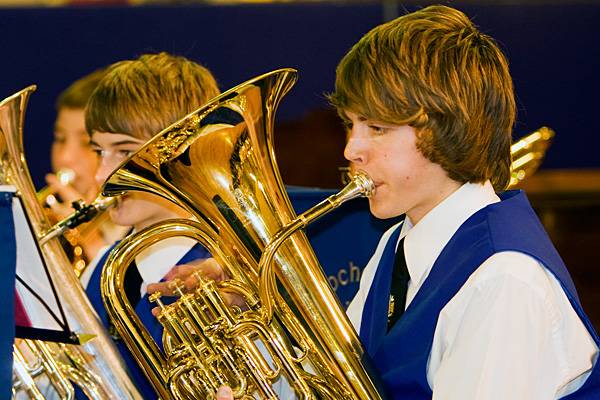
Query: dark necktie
point(399, 287)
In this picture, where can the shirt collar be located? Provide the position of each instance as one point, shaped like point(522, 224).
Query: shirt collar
point(425, 241)
point(154, 262)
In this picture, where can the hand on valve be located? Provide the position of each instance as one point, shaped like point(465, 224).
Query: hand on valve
point(185, 274)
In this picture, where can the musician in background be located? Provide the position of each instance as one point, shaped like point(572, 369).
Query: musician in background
point(135, 100)
point(466, 299)
point(74, 166)
point(72, 159)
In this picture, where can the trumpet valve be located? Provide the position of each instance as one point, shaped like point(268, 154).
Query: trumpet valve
point(201, 280)
point(155, 298)
point(177, 286)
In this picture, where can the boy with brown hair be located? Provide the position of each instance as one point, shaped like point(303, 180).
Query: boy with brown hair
point(135, 100)
point(466, 299)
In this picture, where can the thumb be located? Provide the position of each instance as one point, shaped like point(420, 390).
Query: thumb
point(224, 393)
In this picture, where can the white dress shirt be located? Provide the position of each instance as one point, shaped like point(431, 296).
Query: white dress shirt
point(510, 331)
point(153, 263)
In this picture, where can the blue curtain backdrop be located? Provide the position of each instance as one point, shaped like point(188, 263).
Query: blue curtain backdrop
point(553, 53)
point(552, 50)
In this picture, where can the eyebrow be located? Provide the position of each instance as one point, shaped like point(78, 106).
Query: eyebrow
point(360, 117)
point(120, 143)
point(343, 115)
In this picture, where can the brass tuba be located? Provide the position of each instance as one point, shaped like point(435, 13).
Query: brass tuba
point(94, 364)
point(218, 163)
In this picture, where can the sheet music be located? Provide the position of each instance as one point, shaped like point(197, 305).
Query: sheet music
point(30, 269)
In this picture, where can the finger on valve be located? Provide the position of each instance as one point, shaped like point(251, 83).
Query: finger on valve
point(187, 277)
point(186, 274)
point(224, 393)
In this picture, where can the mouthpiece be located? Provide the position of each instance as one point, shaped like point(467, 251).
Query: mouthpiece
point(83, 213)
point(364, 183)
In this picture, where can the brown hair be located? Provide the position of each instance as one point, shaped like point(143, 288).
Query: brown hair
point(78, 93)
point(433, 70)
point(143, 96)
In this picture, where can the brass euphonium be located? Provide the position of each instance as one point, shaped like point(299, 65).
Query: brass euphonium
point(95, 365)
point(218, 163)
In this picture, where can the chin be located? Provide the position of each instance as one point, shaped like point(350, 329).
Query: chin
point(119, 217)
point(378, 211)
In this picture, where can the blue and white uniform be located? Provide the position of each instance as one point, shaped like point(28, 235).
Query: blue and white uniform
point(491, 310)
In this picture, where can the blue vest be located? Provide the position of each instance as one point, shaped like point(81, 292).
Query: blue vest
point(401, 355)
point(144, 311)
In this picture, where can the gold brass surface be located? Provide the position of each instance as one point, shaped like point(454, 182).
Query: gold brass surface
point(92, 216)
point(86, 219)
point(64, 367)
point(83, 213)
point(218, 163)
point(527, 154)
point(96, 362)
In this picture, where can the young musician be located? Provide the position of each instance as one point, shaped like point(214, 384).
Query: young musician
point(71, 146)
point(467, 297)
point(74, 167)
point(135, 100)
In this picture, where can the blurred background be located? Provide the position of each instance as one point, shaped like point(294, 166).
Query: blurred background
point(552, 47)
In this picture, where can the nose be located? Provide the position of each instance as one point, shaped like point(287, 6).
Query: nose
point(355, 150)
point(63, 156)
point(105, 167)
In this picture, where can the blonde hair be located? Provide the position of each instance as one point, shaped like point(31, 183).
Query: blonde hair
point(143, 96)
point(435, 71)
